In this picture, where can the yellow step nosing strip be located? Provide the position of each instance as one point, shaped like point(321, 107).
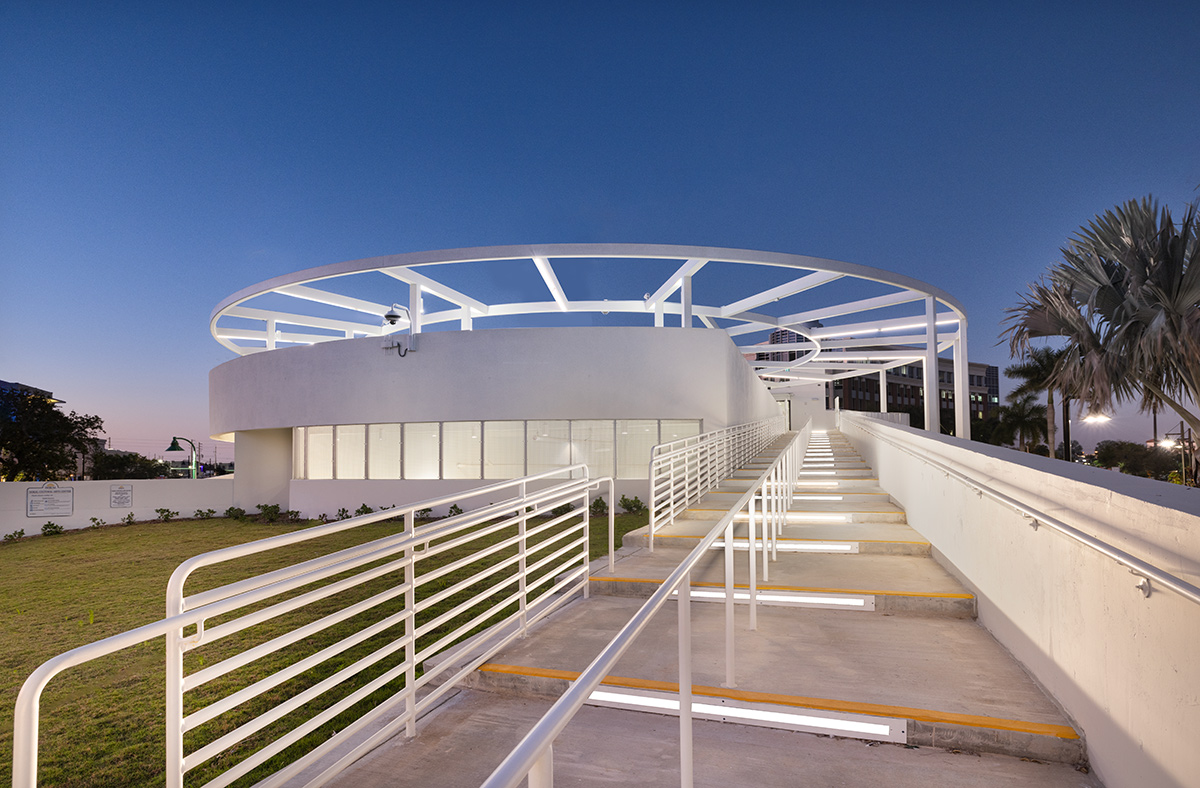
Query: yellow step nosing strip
point(801, 589)
point(824, 704)
point(794, 539)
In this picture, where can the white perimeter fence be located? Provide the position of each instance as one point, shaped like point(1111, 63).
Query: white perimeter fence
point(27, 506)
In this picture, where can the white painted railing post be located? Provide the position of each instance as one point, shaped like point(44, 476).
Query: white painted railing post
point(174, 689)
point(542, 773)
point(612, 522)
point(524, 612)
point(729, 655)
point(410, 629)
point(685, 681)
point(753, 553)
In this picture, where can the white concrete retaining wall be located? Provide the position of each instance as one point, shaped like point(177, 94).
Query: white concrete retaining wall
point(109, 501)
point(1125, 667)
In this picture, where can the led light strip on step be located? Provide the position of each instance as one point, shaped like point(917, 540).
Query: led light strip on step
point(795, 546)
point(777, 598)
point(857, 726)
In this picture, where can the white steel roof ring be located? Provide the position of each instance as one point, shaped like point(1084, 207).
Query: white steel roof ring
point(842, 337)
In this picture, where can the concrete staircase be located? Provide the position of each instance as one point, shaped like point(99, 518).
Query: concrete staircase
point(862, 639)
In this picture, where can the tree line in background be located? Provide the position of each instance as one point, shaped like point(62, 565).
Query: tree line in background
point(38, 442)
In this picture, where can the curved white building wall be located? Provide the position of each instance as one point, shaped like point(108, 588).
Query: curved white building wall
point(577, 373)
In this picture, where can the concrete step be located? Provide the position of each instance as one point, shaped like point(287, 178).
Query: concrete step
point(930, 681)
point(886, 583)
point(873, 495)
point(812, 513)
point(869, 538)
point(475, 730)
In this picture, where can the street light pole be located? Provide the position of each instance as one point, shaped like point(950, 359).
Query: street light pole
point(176, 447)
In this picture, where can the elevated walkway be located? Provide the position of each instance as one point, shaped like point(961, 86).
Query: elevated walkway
point(861, 638)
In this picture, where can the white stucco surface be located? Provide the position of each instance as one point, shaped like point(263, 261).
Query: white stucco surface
point(1122, 665)
point(519, 373)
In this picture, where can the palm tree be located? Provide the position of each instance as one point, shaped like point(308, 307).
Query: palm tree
point(1126, 298)
point(1037, 372)
point(1023, 420)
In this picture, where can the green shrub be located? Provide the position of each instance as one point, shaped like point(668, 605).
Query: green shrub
point(291, 516)
point(15, 535)
point(205, 514)
point(343, 513)
point(97, 522)
point(632, 505)
point(51, 528)
point(454, 509)
point(128, 519)
point(235, 513)
point(559, 511)
point(166, 514)
point(364, 509)
point(598, 507)
point(268, 512)
point(423, 514)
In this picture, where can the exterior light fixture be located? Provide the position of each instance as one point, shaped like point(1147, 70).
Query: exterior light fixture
point(1096, 417)
point(176, 447)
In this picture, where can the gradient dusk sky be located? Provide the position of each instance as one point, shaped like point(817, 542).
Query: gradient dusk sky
point(156, 157)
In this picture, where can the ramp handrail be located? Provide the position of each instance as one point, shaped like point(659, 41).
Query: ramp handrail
point(532, 567)
point(683, 470)
point(533, 756)
point(1137, 566)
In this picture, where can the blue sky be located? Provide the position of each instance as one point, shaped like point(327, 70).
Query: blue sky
point(156, 157)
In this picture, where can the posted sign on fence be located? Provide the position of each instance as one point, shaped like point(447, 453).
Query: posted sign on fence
point(49, 500)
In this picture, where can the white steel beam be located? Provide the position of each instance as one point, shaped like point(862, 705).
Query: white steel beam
point(933, 394)
point(755, 322)
point(846, 343)
point(436, 288)
point(782, 291)
point(962, 389)
point(547, 271)
point(879, 326)
point(289, 318)
point(672, 284)
point(333, 299)
point(866, 304)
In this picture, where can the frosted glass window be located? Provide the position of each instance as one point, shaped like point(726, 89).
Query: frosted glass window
point(422, 446)
point(351, 441)
point(548, 444)
point(635, 439)
point(503, 449)
point(461, 446)
point(383, 451)
point(676, 429)
point(297, 452)
point(592, 443)
point(320, 452)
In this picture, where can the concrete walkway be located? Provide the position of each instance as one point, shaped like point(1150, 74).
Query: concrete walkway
point(958, 710)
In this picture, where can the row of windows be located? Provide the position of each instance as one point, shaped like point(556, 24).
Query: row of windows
point(481, 450)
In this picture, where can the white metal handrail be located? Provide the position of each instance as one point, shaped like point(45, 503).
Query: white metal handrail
point(533, 756)
point(1148, 572)
point(534, 567)
point(683, 470)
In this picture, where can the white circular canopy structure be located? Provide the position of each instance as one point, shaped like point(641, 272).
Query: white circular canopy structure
point(850, 319)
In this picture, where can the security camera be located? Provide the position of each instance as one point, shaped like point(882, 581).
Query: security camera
point(392, 317)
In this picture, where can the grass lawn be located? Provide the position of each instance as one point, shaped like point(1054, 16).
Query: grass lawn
point(102, 722)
